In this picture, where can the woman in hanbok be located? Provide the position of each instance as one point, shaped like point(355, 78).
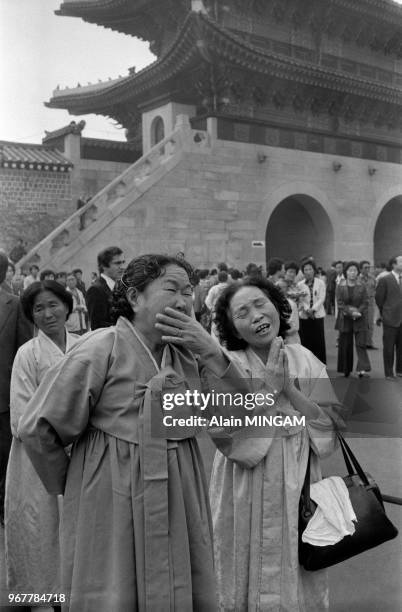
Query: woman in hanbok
point(136, 528)
point(31, 514)
point(257, 476)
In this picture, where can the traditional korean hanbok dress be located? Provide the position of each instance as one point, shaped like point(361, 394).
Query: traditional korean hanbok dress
point(254, 492)
point(136, 527)
point(31, 514)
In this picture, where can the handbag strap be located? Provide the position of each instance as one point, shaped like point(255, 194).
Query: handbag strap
point(350, 461)
point(346, 450)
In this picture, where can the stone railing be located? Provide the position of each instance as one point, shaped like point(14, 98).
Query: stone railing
point(132, 182)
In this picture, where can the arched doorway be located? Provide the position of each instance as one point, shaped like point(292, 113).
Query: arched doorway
point(388, 231)
point(298, 227)
point(157, 130)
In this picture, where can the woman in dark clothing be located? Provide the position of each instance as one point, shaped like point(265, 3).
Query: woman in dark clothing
point(351, 322)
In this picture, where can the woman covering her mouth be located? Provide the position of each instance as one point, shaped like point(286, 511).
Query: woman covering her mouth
point(256, 481)
point(136, 528)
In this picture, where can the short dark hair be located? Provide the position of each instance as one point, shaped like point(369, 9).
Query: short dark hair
point(235, 274)
point(222, 276)
point(222, 267)
point(32, 266)
point(106, 256)
point(140, 272)
point(224, 325)
point(29, 295)
point(77, 271)
point(308, 262)
point(291, 265)
point(213, 271)
point(350, 264)
point(362, 263)
point(392, 261)
point(338, 262)
point(45, 273)
point(274, 265)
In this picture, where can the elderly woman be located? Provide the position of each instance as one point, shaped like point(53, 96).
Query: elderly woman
point(351, 321)
point(136, 520)
point(31, 514)
point(256, 481)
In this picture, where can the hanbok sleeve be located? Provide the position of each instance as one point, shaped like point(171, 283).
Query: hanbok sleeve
point(58, 413)
point(22, 387)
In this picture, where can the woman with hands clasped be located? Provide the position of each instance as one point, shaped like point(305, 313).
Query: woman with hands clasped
point(256, 481)
point(352, 301)
point(136, 529)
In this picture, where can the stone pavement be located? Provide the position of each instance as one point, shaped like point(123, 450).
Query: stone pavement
point(371, 581)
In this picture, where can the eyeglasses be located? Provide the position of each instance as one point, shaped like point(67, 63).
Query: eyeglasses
point(118, 263)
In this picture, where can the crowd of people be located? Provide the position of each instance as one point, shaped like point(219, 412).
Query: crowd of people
point(111, 517)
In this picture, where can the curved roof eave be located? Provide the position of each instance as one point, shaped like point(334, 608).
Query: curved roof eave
point(226, 46)
point(110, 13)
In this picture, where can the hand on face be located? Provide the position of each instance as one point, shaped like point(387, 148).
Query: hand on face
point(182, 330)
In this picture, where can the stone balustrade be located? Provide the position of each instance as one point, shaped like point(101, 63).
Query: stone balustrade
point(131, 182)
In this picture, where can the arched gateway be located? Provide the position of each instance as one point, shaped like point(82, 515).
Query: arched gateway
point(388, 231)
point(299, 226)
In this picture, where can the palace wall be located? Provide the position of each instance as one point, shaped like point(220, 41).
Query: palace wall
point(216, 202)
point(34, 202)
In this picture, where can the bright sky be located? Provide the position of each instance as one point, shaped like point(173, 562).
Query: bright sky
point(39, 50)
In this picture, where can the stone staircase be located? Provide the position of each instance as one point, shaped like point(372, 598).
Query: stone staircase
point(60, 246)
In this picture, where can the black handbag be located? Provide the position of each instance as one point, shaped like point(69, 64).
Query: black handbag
point(373, 527)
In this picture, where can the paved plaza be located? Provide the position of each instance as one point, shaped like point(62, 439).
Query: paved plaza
point(370, 582)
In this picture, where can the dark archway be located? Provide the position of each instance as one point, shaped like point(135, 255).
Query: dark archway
point(299, 226)
point(157, 130)
point(388, 231)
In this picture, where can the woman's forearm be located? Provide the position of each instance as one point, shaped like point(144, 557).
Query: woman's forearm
point(301, 403)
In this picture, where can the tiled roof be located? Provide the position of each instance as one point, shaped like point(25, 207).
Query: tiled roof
point(22, 156)
point(200, 35)
point(109, 144)
point(111, 12)
point(72, 128)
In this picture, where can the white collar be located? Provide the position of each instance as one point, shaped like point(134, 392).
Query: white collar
point(109, 281)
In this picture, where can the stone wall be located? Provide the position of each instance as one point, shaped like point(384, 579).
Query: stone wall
point(32, 203)
point(218, 200)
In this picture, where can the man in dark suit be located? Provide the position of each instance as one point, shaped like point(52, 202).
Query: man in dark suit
point(14, 331)
point(388, 297)
point(111, 266)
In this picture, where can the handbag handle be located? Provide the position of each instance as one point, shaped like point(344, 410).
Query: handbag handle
point(350, 460)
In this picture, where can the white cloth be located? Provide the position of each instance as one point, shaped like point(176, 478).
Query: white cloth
point(334, 515)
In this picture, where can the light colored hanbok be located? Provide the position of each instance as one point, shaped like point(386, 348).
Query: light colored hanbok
point(255, 490)
point(31, 514)
point(136, 526)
